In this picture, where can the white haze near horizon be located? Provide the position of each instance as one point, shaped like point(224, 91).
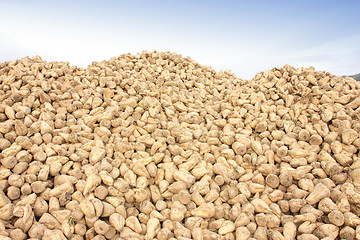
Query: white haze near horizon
point(241, 37)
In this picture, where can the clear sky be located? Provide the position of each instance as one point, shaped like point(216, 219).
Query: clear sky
point(243, 36)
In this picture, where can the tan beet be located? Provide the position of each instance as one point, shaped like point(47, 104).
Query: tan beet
point(101, 227)
point(336, 218)
point(49, 221)
point(347, 233)
point(53, 234)
point(307, 236)
point(327, 230)
point(153, 226)
point(320, 191)
point(17, 234)
point(289, 231)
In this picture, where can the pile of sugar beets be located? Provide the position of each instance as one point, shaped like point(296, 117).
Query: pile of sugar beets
point(156, 146)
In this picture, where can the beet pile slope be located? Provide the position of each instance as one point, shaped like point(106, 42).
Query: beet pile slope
point(156, 146)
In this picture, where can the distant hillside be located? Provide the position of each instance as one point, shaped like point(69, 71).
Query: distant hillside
point(356, 77)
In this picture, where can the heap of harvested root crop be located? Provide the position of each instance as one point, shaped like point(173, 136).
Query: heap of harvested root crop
point(155, 146)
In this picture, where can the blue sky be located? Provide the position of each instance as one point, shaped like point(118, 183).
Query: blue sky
point(243, 36)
